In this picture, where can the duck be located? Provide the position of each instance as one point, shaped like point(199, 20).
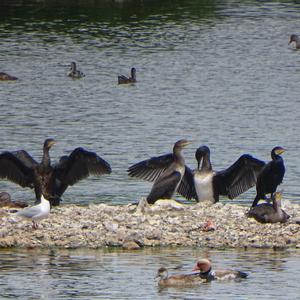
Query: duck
point(5, 200)
point(123, 79)
point(166, 171)
point(47, 179)
point(37, 212)
point(269, 213)
point(74, 73)
point(178, 279)
point(295, 38)
point(204, 183)
point(271, 176)
point(5, 76)
point(206, 273)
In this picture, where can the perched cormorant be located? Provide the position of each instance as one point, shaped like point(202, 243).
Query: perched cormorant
point(204, 266)
point(51, 181)
point(270, 176)
point(74, 73)
point(36, 212)
point(123, 79)
point(5, 76)
point(205, 184)
point(166, 171)
point(295, 38)
point(269, 213)
point(177, 280)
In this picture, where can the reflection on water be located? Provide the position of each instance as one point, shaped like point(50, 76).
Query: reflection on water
point(216, 72)
point(116, 274)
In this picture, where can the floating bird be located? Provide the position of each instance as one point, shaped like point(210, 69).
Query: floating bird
point(176, 280)
point(5, 76)
point(5, 200)
point(74, 73)
point(271, 176)
point(51, 181)
point(206, 272)
point(166, 171)
point(269, 213)
point(295, 38)
point(123, 79)
point(206, 184)
point(36, 212)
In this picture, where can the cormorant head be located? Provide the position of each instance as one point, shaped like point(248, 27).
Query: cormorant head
point(162, 273)
point(294, 38)
point(73, 66)
point(133, 73)
point(181, 144)
point(200, 153)
point(49, 143)
point(277, 151)
point(202, 265)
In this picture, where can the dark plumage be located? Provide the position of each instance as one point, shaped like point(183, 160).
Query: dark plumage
point(271, 176)
point(269, 213)
point(205, 184)
point(51, 181)
point(5, 76)
point(166, 171)
point(123, 79)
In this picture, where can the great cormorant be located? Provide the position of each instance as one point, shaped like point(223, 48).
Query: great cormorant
point(295, 38)
point(270, 176)
point(206, 184)
point(74, 73)
point(269, 213)
point(51, 180)
point(5, 76)
point(123, 79)
point(166, 171)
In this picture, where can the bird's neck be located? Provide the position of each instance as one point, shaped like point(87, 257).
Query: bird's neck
point(275, 156)
point(177, 155)
point(208, 275)
point(206, 164)
point(277, 205)
point(46, 158)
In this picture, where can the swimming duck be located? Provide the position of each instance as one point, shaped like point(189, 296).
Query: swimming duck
point(295, 38)
point(36, 212)
point(271, 176)
point(123, 79)
point(204, 266)
point(5, 76)
point(5, 200)
point(177, 280)
point(269, 213)
point(206, 184)
point(74, 73)
point(166, 171)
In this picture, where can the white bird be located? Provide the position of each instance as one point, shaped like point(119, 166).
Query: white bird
point(36, 212)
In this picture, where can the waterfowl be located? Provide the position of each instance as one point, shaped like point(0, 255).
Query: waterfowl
point(36, 212)
point(206, 184)
point(271, 175)
point(204, 266)
point(123, 79)
point(5, 76)
point(269, 213)
point(166, 171)
point(5, 200)
point(51, 180)
point(74, 73)
point(295, 38)
point(176, 280)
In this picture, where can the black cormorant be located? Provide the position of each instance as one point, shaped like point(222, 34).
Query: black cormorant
point(123, 79)
point(206, 184)
point(166, 171)
point(295, 38)
point(51, 180)
point(269, 213)
point(270, 176)
point(5, 76)
point(74, 72)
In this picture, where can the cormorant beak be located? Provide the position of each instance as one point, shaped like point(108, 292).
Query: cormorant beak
point(186, 143)
point(52, 143)
point(280, 151)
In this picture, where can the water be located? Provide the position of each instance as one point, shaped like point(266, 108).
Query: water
point(219, 73)
point(113, 274)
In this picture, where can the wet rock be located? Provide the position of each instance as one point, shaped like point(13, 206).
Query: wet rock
point(130, 245)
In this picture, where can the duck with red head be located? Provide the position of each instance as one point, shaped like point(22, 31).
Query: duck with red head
point(204, 266)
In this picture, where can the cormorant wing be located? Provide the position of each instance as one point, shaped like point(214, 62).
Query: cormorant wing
point(13, 169)
point(187, 187)
point(77, 166)
point(239, 177)
point(25, 158)
point(151, 169)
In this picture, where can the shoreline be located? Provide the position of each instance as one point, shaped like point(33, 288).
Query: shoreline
point(167, 223)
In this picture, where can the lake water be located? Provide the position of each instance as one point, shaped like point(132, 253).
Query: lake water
point(219, 73)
